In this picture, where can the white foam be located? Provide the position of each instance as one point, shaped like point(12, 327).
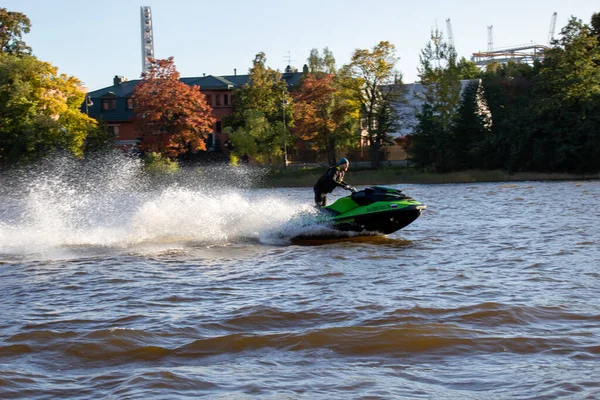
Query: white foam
point(69, 204)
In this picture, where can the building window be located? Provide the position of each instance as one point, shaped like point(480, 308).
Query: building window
point(219, 126)
point(225, 99)
point(109, 104)
point(114, 130)
point(218, 100)
point(209, 99)
point(129, 103)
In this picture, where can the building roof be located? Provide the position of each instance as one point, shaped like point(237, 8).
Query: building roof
point(120, 90)
point(210, 82)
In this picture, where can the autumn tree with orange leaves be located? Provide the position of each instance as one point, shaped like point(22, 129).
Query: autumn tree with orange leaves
point(326, 118)
point(172, 117)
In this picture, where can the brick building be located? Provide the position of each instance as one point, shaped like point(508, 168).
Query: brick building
point(114, 106)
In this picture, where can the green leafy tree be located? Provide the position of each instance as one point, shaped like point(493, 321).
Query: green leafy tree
point(596, 24)
point(387, 120)
point(321, 64)
point(571, 70)
point(467, 69)
point(328, 61)
point(441, 96)
point(371, 70)
point(315, 62)
point(439, 74)
point(257, 139)
point(470, 130)
point(266, 94)
point(508, 93)
point(157, 164)
point(546, 115)
point(565, 134)
point(39, 110)
point(423, 145)
point(12, 27)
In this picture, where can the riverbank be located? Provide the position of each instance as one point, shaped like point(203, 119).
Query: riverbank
point(396, 175)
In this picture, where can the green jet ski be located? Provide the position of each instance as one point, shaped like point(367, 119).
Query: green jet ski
point(373, 209)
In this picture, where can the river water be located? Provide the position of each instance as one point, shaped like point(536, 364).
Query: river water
point(115, 287)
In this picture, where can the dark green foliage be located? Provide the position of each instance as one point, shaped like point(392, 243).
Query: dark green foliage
point(470, 131)
point(432, 143)
point(99, 139)
point(545, 117)
point(467, 69)
point(429, 144)
point(596, 24)
point(559, 126)
point(508, 95)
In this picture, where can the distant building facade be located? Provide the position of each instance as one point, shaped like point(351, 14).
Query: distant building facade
point(113, 105)
point(410, 100)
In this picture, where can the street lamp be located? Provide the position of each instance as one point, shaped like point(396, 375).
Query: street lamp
point(88, 103)
point(283, 104)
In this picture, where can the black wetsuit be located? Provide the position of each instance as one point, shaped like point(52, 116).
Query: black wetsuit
point(331, 179)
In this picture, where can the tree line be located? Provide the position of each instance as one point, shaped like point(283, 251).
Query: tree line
point(543, 117)
point(515, 117)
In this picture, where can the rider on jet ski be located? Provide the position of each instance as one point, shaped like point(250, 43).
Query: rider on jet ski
point(331, 179)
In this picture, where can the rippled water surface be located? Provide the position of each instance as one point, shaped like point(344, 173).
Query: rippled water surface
point(110, 288)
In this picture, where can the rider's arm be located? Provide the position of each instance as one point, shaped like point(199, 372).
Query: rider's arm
point(335, 177)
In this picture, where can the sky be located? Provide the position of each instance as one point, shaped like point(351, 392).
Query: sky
point(94, 41)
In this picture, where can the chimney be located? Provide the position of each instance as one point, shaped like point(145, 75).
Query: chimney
point(118, 80)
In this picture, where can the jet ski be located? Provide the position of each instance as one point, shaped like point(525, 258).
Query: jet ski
point(376, 209)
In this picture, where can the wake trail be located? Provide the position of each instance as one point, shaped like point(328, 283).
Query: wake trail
point(110, 202)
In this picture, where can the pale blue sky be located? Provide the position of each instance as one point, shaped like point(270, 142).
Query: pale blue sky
point(96, 40)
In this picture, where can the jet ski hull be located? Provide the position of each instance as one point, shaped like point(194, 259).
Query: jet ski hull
point(384, 222)
point(373, 210)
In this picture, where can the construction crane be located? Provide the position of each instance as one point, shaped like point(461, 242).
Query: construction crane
point(450, 34)
point(523, 54)
point(552, 29)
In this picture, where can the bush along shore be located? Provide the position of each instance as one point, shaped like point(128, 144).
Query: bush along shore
point(397, 175)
